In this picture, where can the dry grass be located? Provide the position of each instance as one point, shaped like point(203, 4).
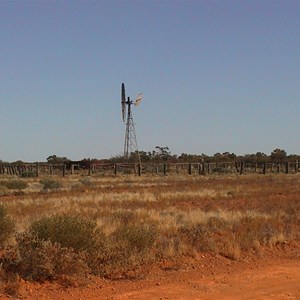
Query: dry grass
point(147, 219)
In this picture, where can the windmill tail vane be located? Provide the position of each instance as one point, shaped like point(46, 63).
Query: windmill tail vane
point(138, 99)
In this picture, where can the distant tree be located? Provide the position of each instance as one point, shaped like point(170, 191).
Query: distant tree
point(53, 159)
point(18, 162)
point(117, 159)
point(184, 157)
point(229, 156)
point(294, 157)
point(144, 156)
point(163, 150)
point(225, 156)
point(162, 153)
point(258, 157)
point(190, 157)
point(278, 155)
point(136, 156)
point(261, 157)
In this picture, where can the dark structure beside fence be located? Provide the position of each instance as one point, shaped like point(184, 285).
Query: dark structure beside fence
point(202, 168)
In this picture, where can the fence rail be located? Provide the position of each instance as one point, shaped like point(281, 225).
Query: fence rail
point(201, 168)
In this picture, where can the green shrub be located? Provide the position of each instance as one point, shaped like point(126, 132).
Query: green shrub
point(137, 238)
point(69, 231)
point(78, 234)
point(29, 174)
point(39, 260)
point(14, 184)
point(132, 245)
point(50, 184)
point(7, 226)
point(124, 254)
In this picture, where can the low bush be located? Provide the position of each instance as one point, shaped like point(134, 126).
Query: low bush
point(137, 238)
point(14, 184)
point(50, 184)
point(69, 231)
point(29, 174)
point(7, 226)
point(39, 260)
point(130, 250)
point(74, 237)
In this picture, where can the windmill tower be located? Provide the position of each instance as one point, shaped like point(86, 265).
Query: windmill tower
point(130, 144)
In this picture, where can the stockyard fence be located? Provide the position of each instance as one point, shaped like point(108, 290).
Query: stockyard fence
point(114, 169)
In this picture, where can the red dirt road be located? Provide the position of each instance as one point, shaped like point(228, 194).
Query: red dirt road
point(209, 278)
point(269, 282)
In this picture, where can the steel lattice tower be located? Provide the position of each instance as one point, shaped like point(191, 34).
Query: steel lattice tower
point(130, 145)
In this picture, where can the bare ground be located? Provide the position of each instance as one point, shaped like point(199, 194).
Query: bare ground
point(274, 275)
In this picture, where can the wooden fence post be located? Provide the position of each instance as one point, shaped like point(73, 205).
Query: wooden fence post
point(287, 167)
point(264, 168)
point(19, 170)
point(139, 169)
point(115, 169)
point(156, 169)
point(203, 168)
point(237, 167)
point(37, 169)
point(208, 168)
point(165, 169)
point(242, 168)
point(278, 167)
point(12, 169)
point(190, 169)
point(64, 170)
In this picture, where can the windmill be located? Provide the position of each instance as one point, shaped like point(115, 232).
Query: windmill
point(130, 144)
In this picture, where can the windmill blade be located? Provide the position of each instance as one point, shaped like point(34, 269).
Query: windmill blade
point(123, 102)
point(138, 99)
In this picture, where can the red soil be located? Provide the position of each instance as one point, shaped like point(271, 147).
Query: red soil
point(274, 275)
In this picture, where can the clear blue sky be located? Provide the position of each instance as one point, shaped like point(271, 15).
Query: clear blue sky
point(216, 76)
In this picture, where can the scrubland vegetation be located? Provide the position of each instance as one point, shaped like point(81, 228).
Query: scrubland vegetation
point(58, 228)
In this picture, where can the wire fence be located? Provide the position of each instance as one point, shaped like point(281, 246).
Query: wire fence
point(114, 169)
